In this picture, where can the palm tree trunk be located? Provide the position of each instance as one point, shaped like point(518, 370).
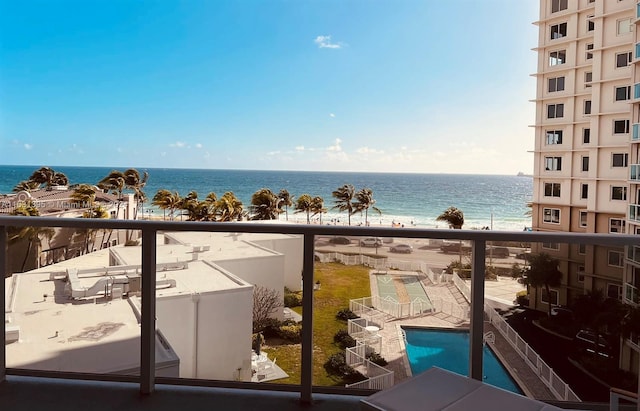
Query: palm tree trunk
point(26, 256)
point(546, 286)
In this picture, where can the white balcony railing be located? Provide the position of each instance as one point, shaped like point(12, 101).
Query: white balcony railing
point(149, 229)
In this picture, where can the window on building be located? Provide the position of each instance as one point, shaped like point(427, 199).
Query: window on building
point(616, 258)
point(624, 26)
point(589, 54)
point(586, 135)
point(623, 59)
point(555, 110)
point(551, 246)
point(558, 5)
point(587, 107)
point(618, 193)
point(584, 191)
point(621, 126)
point(582, 249)
point(583, 218)
point(557, 57)
point(616, 225)
point(552, 298)
point(581, 273)
point(554, 137)
point(551, 215)
point(588, 78)
point(585, 163)
point(559, 31)
point(591, 25)
point(553, 163)
point(619, 159)
point(614, 291)
point(556, 84)
point(623, 93)
point(552, 189)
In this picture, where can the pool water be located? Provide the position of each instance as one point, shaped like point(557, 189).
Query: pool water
point(450, 350)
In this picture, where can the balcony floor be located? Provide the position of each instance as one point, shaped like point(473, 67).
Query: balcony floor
point(25, 393)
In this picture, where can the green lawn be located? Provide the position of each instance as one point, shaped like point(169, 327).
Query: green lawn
point(339, 284)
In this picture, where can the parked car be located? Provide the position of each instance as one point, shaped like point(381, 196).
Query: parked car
point(562, 314)
point(497, 252)
point(401, 248)
point(371, 242)
point(526, 256)
point(339, 240)
point(585, 340)
point(454, 248)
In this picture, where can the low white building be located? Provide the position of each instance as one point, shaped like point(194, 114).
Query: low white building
point(82, 315)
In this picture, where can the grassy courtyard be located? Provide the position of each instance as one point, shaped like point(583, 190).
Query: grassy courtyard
point(339, 284)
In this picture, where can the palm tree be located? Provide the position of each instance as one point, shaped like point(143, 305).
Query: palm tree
point(33, 235)
point(317, 207)
point(344, 199)
point(91, 234)
point(228, 207)
point(304, 204)
point(133, 181)
point(192, 206)
point(285, 199)
point(84, 196)
point(165, 199)
point(455, 218)
point(27, 185)
point(264, 205)
point(364, 201)
point(114, 182)
point(49, 177)
point(543, 272)
point(452, 216)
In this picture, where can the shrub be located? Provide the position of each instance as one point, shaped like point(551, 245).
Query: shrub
point(291, 332)
point(376, 358)
point(292, 300)
point(346, 314)
point(337, 365)
point(343, 339)
point(271, 327)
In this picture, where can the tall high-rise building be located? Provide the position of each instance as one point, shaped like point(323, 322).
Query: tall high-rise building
point(587, 144)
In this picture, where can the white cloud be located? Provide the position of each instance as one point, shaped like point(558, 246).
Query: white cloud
point(164, 153)
point(299, 148)
point(179, 144)
point(331, 115)
point(324, 42)
point(273, 153)
point(28, 146)
point(119, 149)
point(207, 155)
point(198, 145)
point(336, 146)
point(368, 150)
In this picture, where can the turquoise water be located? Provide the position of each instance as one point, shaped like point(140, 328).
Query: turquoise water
point(450, 350)
point(404, 198)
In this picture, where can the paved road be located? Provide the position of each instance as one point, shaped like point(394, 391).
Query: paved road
point(422, 251)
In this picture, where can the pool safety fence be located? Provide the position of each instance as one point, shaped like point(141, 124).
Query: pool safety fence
point(556, 385)
point(365, 306)
point(381, 262)
point(378, 377)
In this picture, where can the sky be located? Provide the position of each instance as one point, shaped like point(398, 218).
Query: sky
point(419, 86)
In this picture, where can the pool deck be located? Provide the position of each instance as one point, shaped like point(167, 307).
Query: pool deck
point(393, 343)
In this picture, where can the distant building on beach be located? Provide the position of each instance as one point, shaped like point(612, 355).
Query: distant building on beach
point(587, 143)
point(63, 243)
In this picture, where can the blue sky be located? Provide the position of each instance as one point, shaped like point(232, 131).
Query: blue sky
point(368, 85)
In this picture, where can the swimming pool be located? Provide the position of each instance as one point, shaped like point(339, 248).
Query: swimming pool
point(449, 349)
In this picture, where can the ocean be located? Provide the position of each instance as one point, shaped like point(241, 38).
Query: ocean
point(410, 199)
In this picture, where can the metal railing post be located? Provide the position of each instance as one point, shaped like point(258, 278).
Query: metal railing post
point(3, 302)
point(476, 328)
point(306, 380)
point(148, 326)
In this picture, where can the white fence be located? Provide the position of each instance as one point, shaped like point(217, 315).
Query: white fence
point(451, 308)
point(367, 305)
point(559, 388)
point(378, 378)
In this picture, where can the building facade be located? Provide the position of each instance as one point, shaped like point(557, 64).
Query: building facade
point(587, 131)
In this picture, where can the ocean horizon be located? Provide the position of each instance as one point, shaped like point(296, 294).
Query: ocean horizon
point(412, 199)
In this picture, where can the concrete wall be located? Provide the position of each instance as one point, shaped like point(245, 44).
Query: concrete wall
point(293, 249)
point(210, 332)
